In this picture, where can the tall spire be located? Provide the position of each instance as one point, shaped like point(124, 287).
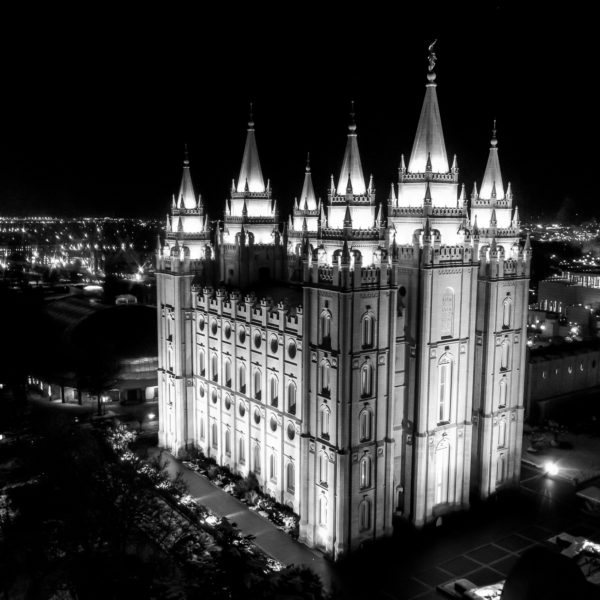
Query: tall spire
point(429, 140)
point(186, 197)
point(351, 167)
point(250, 173)
point(492, 185)
point(308, 200)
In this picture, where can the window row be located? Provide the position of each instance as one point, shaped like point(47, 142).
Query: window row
point(367, 329)
point(366, 378)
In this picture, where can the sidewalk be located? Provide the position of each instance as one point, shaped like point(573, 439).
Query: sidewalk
point(268, 538)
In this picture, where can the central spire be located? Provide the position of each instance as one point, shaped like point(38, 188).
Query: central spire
point(351, 167)
point(308, 200)
point(250, 178)
point(186, 197)
point(492, 186)
point(429, 140)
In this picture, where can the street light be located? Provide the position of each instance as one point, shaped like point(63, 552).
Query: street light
point(551, 469)
point(151, 416)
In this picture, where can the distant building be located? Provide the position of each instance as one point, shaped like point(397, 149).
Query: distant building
point(556, 374)
point(364, 363)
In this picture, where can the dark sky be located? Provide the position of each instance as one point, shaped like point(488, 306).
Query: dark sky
point(96, 105)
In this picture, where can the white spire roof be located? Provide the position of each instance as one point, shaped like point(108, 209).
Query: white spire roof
point(429, 140)
point(186, 197)
point(351, 167)
point(308, 200)
point(250, 171)
point(492, 179)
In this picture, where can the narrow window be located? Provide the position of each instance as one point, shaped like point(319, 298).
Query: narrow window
point(326, 328)
point(502, 433)
point(214, 436)
point(447, 313)
point(365, 472)
point(504, 355)
point(442, 464)
point(227, 372)
point(325, 414)
point(202, 363)
point(256, 459)
point(365, 425)
point(325, 377)
point(445, 388)
point(273, 391)
point(242, 379)
point(272, 467)
point(364, 515)
point(241, 450)
point(503, 393)
point(506, 312)
point(291, 478)
point(366, 379)
point(367, 331)
point(214, 367)
point(257, 388)
point(500, 469)
point(323, 468)
point(202, 433)
point(292, 398)
point(322, 511)
point(228, 442)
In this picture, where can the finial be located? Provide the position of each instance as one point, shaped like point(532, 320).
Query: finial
point(349, 185)
point(494, 141)
point(186, 156)
point(332, 185)
point(352, 126)
point(308, 162)
point(402, 164)
point(251, 117)
point(431, 58)
point(428, 165)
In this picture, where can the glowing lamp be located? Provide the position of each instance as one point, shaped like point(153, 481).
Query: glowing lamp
point(551, 469)
point(151, 416)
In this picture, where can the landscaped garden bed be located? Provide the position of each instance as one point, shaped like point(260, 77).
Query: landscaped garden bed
point(247, 490)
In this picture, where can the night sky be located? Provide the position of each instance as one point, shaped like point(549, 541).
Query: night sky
point(96, 106)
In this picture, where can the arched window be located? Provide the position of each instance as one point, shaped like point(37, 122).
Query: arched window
point(503, 393)
point(447, 313)
point(442, 472)
point(444, 387)
point(214, 436)
point(325, 322)
point(214, 367)
point(273, 391)
point(227, 372)
point(241, 450)
point(256, 459)
point(366, 379)
point(292, 398)
point(502, 433)
point(257, 388)
point(504, 355)
point(322, 511)
point(242, 378)
point(367, 327)
point(365, 425)
point(202, 433)
point(365, 472)
point(170, 359)
point(272, 467)
point(325, 377)
point(201, 363)
point(506, 312)
point(500, 469)
point(364, 515)
point(227, 441)
point(323, 468)
point(325, 414)
point(290, 475)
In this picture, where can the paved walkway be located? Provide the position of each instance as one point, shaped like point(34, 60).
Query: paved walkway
point(268, 538)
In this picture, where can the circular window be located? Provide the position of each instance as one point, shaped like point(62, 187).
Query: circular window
point(402, 291)
point(257, 339)
point(201, 391)
point(292, 349)
point(214, 326)
point(227, 329)
point(241, 409)
point(274, 344)
point(228, 402)
point(242, 334)
point(291, 431)
point(213, 396)
point(273, 424)
point(201, 322)
point(257, 416)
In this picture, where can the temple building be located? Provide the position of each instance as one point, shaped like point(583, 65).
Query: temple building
point(365, 361)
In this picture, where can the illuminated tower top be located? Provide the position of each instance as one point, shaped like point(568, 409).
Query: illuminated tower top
point(351, 167)
point(492, 186)
point(429, 150)
point(186, 197)
point(250, 178)
point(308, 199)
